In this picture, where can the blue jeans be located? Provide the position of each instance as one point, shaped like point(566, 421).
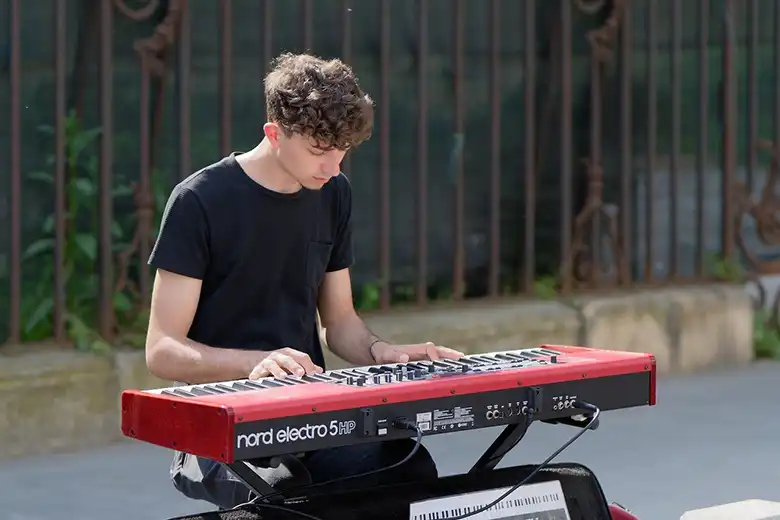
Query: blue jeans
point(204, 479)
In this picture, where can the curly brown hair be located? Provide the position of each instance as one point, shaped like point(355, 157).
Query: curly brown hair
point(320, 99)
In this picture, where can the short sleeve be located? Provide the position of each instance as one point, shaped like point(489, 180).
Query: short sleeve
point(182, 243)
point(343, 255)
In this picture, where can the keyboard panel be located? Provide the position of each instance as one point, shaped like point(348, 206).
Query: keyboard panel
point(381, 374)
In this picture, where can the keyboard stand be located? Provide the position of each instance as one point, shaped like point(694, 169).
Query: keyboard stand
point(244, 472)
point(511, 435)
point(504, 443)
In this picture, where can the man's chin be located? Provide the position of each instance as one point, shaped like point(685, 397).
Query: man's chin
point(315, 183)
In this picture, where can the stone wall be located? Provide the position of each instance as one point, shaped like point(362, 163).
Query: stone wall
point(54, 400)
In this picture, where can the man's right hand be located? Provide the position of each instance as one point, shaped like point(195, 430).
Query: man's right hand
point(285, 361)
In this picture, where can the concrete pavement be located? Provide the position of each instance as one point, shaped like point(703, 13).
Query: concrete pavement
point(713, 438)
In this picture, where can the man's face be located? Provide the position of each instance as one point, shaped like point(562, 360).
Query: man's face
point(299, 156)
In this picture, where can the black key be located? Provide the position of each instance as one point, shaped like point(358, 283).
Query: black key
point(241, 386)
point(317, 378)
point(212, 391)
point(357, 373)
point(295, 380)
point(182, 393)
point(450, 363)
point(519, 357)
point(168, 392)
point(224, 387)
point(457, 363)
point(442, 365)
point(196, 390)
point(254, 385)
point(215, 388)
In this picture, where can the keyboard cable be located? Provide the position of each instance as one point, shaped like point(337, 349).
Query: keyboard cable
point(577, 404)
point(410, 425)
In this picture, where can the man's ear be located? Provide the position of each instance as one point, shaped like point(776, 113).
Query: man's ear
point(273, 133)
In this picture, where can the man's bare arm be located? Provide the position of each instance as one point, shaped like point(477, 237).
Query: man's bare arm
point(346, 333)
point(350, 339)
point(170, 354)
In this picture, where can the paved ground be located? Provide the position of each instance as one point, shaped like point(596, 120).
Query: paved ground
point(712, 439)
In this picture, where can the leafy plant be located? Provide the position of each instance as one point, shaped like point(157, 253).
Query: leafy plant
point(546, 288)
point(81, 249)
point(766, 337)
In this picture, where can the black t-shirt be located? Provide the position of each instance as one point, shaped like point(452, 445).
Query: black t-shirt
point(261, 255)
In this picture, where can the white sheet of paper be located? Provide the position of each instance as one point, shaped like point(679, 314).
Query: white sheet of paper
point(540, 501)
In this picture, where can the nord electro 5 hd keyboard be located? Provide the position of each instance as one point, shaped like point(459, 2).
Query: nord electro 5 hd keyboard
point(247, 419)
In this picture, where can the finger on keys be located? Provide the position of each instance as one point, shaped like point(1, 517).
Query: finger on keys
point(386, 353)
point(268, 367)
point(291, 366)
point(389, 354)
point(259, 372)
point(449, 353)
point(432, 352)
point(305, 362)
point(395, 356)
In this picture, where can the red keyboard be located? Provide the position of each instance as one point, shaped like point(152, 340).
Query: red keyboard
point(240, 420)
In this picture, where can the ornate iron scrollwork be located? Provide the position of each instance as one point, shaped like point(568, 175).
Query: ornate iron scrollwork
point(152, 51)
point(580, 263)
point(765, 213)
point(583, 267)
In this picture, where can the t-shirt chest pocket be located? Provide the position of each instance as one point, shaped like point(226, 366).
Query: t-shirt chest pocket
point(317, 259)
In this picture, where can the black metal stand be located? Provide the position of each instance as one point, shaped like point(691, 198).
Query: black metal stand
point(509, 437)
point(504, 443)
point(512, 434)
point(244, 472)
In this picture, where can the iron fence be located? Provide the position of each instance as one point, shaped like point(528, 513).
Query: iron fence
point(522, 147)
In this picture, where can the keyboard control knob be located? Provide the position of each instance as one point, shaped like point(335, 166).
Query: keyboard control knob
point(553, 359)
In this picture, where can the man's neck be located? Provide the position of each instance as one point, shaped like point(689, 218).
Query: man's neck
point(262, 167)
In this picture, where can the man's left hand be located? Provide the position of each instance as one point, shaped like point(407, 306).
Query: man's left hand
point(387, 353)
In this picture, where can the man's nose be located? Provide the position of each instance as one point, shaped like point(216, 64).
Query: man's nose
point(331, 169)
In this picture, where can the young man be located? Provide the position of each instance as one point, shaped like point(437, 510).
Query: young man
point(249, 248)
